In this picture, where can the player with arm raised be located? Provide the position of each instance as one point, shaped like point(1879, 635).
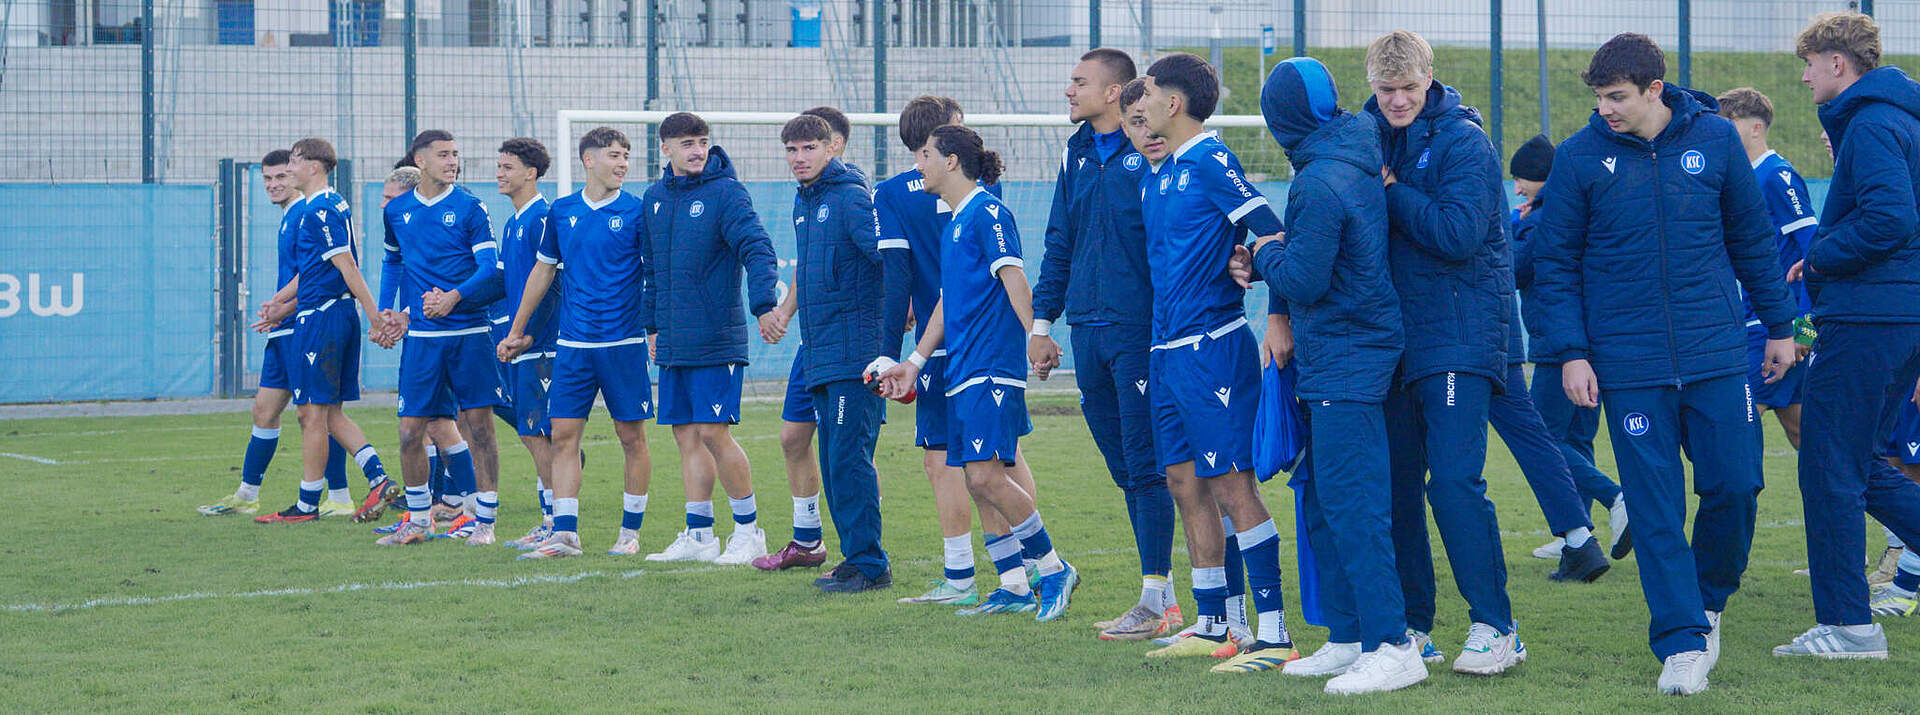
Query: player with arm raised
point(600, 346)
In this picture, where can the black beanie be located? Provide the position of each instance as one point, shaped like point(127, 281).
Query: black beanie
point(1534, 160)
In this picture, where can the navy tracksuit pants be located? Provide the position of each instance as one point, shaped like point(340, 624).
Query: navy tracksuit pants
point(1438, 424)
point(1713, 422)
point(1538, 453)
point(1574, 427)
point(849, 426)
point(1110, 368)
point(1857, 376)
point(1349, 523)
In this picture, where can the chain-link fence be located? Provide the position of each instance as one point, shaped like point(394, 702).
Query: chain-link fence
point(99, 92)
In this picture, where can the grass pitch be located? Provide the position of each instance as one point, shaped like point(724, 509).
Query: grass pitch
point(115, 595)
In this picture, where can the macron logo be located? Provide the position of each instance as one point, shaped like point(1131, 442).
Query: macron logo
point(1220, 156)
point(406, 218)
point(311, 356)
point(1140, 385)
point(1209, 456)
point(1913, 449)
point(1224, 394)
point(993, 209)
point(976, 445)
point(716, 410)
point(997, 395)
point(544, 382)
point(1609, 162)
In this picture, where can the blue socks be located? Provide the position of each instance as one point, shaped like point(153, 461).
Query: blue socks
point(336, 473)
point(1210, 595)
point(370, 465)
point(260, 448)
point(806, 520)
point(460, 465)
point(1260, 549)
point(418, 500)
point(1236, 570)
point(633, 511)
point(700, 516)
point(745, 511)
point(566, 514)
point(485, 506)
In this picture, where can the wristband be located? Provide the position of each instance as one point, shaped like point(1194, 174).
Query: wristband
point(918, 362)
point(1042, 328)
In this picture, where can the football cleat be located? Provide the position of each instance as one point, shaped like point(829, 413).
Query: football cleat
point(942, 593)
point(375, 503)
point(334, 508)
point(1192, 645)
point(1255, 660)
point(1002, 601)
point(409, 533)
point(289, 515)
point(480, 535)
point(461, 527)
point(1888, 601)
point(1056, 592)
point(793, 555)
point(560, 545)
point(1137, 624)
point(627, 544)
point(231, 504)
point(393, 527)
point(533, 538)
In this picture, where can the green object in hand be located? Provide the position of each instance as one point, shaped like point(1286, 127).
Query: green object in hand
point(1803, 330)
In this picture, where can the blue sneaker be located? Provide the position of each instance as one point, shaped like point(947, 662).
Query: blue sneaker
point(1056, 590)
point(393, 527)
point(1001, 601)
point(1424, 643)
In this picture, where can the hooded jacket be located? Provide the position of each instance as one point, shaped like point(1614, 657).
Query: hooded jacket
point(1521, 241)
point(1640, 258)
point(1332, 268)
point(840, 266)
point(704, 233)
point(1447, 239)
point(1095, 268)
point(1865, 260)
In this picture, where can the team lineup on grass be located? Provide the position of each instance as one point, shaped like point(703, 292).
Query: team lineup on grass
point(1668, 267)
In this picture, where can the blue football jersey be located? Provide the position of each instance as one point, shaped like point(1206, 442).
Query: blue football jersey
point(326, 230)
point(1192, 205)
point(441, 241)
point(1794, 217)
point(603, 249)
point(913, 219)
point(984, 337)
point(519, 241)
point(287, 256)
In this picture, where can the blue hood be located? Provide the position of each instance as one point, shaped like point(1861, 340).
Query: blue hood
point(1685, 103)
point(1348, 138)
point(1888, 85)
point(1298, 98)
point(718, 167)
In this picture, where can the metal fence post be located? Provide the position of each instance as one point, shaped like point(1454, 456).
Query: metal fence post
point(653, 80)
point(149, 156)
point(229, 304)
point(1299, 28)
point(1686, 43)
point(879, 13)
point(410, 28)
point(1866, 7)
point(1093, 23)
point(1494, 94)
point(1540, 36)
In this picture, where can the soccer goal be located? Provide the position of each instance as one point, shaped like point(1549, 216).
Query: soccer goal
point(1031, 145)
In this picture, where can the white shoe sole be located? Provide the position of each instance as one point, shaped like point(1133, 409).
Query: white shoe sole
point(724, 560)
point(1496, 668)
point(1313, 672)
point(1860, 655)
point(705, 558)
point(1403, 679)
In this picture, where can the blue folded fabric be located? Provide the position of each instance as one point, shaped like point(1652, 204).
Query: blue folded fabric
point(1279, 433)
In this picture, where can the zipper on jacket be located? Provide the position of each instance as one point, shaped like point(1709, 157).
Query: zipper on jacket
point(1660, 224)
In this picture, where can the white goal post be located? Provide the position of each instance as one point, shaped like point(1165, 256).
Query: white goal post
point(564, 120)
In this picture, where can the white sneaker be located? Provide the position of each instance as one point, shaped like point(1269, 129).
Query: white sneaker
point(1619, 541)
point(1713, 639)
point(1550, 550)
point(689, 547)
point(1685, 673)
point(1389, 667)
point(1331, 659)
point(627, 545)
point(1486, 652)
point(745, 545)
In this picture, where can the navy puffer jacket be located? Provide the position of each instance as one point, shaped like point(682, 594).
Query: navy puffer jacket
point(1332, 268)
point(843, 280)
point(1639, 259)
point(1865, 259)
point(704, 232)
point(1448, 239)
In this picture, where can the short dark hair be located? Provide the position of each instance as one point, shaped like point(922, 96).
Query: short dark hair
point(976, 160)
point(1746, 103)
point(1193, 78)
point(922, 114)
point(426, 139)
point(317, 149)
point(1119, 64)
point(1135, 89)
point(836, 119)
point(683, 124)
point(530, 152)
point(1628, 57)
point(806, 127)
point(601, 138)
point(276, 157)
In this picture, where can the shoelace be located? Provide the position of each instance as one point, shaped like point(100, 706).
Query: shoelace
point(1480, 638)
point(1685, 662)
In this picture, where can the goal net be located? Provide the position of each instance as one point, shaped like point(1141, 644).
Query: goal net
point(1031, 145)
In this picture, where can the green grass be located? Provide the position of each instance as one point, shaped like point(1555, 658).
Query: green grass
point(1795, 133)
point(115, 520)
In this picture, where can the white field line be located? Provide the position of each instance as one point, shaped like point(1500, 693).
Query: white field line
point(28, 457)
point(515, 582)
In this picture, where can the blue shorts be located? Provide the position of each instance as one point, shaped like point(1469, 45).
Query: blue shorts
point(276, 364)
point(1206, 389)
point(532, 372)
point(932, 410)
point(327, 362)
point(799, 405)
point(1782, 393)
point(708, 394)
point(617, 373)
point(985, 420)
point(1903, 444)
point(443, 375)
